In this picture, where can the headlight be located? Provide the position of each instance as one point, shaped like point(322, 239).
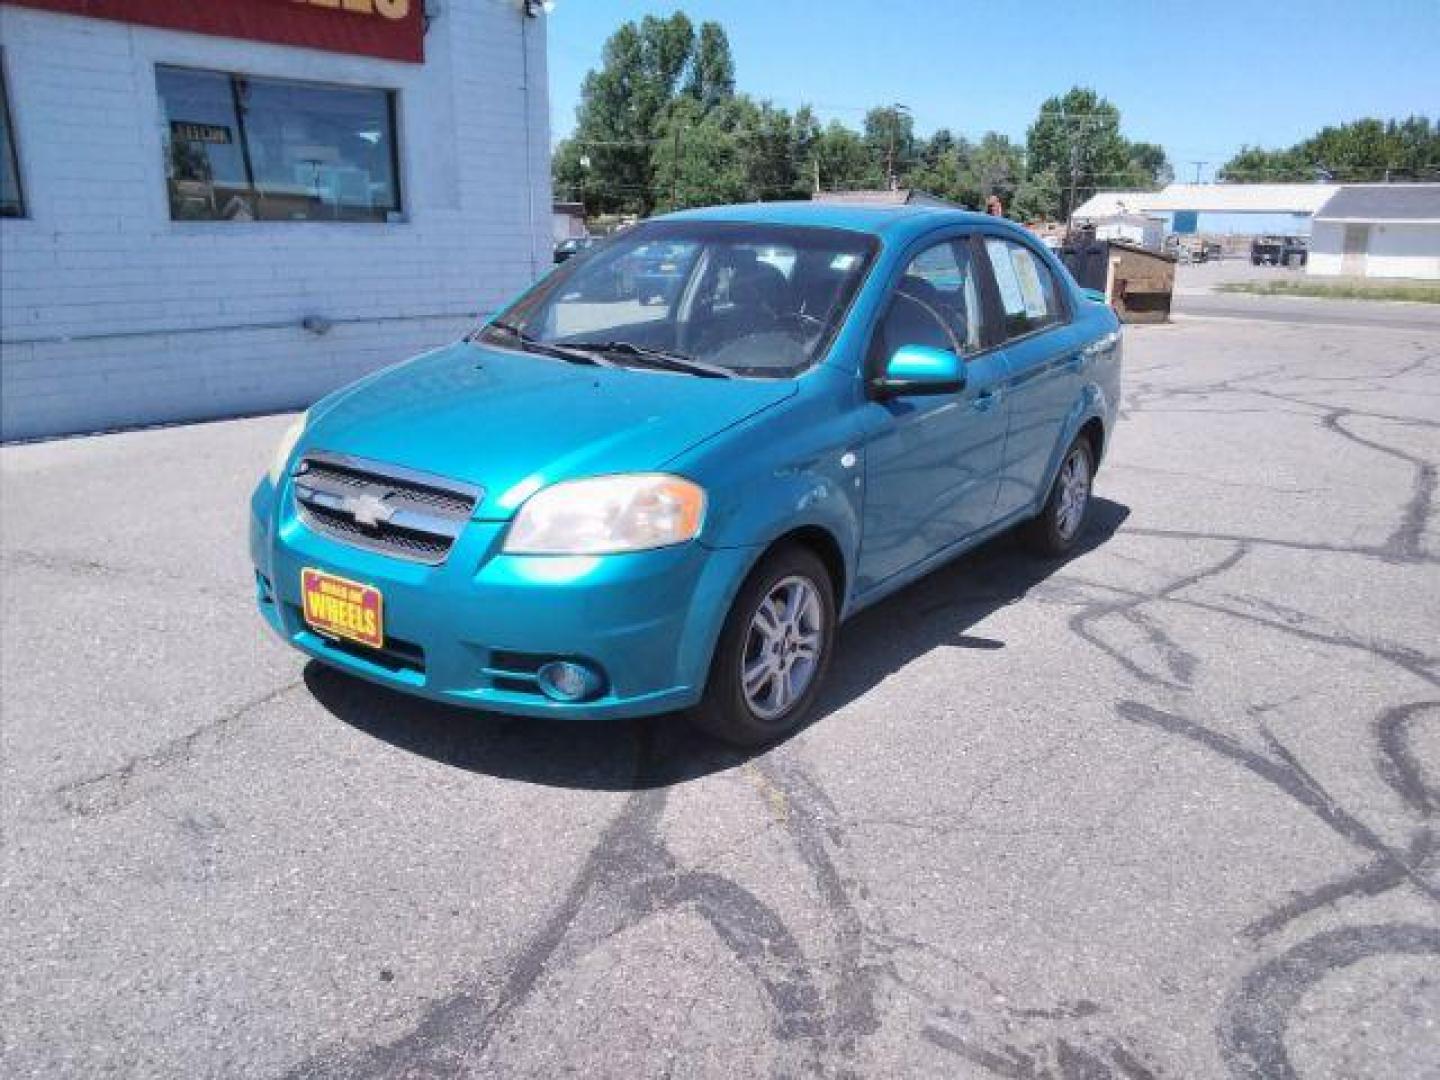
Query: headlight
point(287, 447)
point(608, 514)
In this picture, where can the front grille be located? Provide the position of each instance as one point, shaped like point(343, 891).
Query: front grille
point(399, 512)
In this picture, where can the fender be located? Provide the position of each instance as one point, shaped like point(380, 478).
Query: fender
point(1099, 399)
point(776, 473)
point(1092, 404)
point(780, 470)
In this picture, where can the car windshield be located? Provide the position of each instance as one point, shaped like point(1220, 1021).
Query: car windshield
point(705, 298)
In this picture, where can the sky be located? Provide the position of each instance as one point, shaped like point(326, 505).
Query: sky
point(1200, 79)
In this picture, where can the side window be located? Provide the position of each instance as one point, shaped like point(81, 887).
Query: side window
point(1027, 288)
point(12, 201)
point(935, 303)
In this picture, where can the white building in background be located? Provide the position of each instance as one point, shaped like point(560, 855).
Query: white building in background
point(210, 209)
point(1378, 230)
point(1138, 229)
point(1216, 209)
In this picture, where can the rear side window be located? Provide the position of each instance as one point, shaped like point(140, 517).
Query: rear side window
point(1028, 297)
point(935, 303)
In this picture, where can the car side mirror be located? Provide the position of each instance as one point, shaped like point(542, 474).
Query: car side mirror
point(920, 369)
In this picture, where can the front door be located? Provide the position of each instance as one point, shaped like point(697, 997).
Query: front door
point(1042, 358)
point(1357, 244)
point(932, 462)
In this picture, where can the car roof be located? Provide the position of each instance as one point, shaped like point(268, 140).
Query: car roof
point(890, 222)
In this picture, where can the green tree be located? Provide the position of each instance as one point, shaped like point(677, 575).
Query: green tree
point(1038, 198)
point(766, 138)
point(997, 167)
point(626, 106)
point(697, 159)
point(712, 73)
point(890, 139)
point(844, 161)
point(805, 132)
point(1076, 137)
point(1362, 150)
point(1254, 165)
point(1149, 167)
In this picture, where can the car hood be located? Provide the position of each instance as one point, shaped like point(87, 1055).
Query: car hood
point(513, 422)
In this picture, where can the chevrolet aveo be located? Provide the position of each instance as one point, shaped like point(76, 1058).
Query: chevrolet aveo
point(631, 493)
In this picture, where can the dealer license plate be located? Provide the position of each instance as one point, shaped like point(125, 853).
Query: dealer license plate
point(341, 608)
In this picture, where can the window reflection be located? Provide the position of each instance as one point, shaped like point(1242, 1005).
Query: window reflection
point(248, 149)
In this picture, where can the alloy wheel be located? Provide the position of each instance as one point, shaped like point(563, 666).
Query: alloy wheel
point(782, 647)
point(1074, 493)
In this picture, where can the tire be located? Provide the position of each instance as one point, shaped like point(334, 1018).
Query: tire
point(1062, 522)
point(727, 711)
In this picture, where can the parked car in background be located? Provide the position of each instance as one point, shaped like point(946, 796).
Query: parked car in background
point(612, 505)
point(656, 270)
point(1193, 249)
point(572, 246)
point(1279, 250)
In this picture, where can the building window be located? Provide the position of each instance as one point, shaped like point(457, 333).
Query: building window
point(239, 148)
point(12, 199)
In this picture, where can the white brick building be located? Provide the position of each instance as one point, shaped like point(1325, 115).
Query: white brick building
point(1378, 230)
point(185, 201)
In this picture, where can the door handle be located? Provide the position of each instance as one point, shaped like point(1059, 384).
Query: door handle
point(987, 400)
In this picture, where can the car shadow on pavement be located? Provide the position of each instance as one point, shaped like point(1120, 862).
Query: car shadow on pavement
point(936, 611)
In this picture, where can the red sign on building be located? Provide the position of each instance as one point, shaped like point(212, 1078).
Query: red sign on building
point(389, 29)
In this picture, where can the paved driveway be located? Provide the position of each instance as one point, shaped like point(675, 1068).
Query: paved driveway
point(1169, 809)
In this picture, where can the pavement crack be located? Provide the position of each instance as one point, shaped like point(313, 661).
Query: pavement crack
point(631, 876)
point(1180, 663)
point(1283, 771)
point(117, 787)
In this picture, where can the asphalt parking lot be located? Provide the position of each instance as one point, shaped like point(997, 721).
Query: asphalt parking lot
point(1168, 809)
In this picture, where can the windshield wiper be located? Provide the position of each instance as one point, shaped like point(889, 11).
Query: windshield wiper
point(545, 348)
point(661, 358)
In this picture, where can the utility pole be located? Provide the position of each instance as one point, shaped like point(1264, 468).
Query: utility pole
point(1198, 166)
point(815, 161)
point(890, 156)
point(675, 171)
point(1074, 179)
point(895, 111)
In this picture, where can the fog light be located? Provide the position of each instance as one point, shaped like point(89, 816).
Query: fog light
point(565, 680)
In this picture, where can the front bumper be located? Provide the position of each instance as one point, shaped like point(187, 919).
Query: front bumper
point(472, 630)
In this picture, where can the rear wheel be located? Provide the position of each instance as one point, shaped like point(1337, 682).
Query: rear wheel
point(773, 653)
point(1062, 521)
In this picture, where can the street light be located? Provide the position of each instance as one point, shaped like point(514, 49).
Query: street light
point(535, 8)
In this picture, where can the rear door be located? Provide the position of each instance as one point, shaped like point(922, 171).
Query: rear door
point(1042, 358)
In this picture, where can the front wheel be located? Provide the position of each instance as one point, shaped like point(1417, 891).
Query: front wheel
point(1062, 521)
point(773, 653)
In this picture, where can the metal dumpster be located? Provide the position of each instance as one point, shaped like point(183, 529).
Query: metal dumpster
point(1137, 283)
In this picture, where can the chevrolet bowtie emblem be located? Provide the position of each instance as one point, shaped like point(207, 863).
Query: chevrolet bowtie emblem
point(369, 509)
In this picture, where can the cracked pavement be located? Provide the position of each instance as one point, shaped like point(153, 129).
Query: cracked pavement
point(1168, 809)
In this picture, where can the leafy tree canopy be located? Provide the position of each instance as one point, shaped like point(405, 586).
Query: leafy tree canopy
point(1362, 150)
point(661, 125)
point(1076, 139)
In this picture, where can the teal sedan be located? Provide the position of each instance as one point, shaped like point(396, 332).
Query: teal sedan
point(606, 502)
